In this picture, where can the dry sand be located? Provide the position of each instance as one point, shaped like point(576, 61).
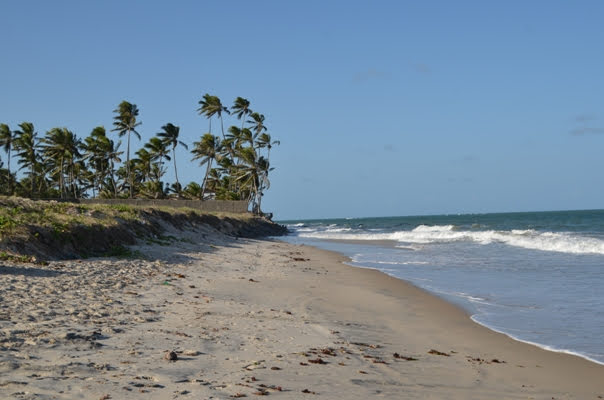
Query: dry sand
point(245, 318)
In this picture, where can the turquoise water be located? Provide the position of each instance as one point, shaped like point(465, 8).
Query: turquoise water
point(538, 277)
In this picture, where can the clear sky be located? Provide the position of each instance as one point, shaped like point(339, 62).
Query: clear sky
point(382, 107)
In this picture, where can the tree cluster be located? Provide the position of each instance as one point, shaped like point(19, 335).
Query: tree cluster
point(62, 165)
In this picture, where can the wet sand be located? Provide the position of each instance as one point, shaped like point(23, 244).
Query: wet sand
point(239, 318)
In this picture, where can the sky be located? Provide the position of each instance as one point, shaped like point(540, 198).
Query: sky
point(382, 108)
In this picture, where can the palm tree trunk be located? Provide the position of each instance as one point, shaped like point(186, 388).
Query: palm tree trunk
point(10, 181)
point(175, 170)
point(205, 179)
point(32, 180)
point(222, 127)
point(74, 181)
point(113, 180)
point(260, 203)
point(128, 164)
point(99, 179)
point(61, 182)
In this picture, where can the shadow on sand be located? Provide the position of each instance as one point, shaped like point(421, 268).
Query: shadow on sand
point(29, 271)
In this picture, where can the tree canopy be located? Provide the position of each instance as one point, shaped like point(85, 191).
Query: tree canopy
point(60, 164)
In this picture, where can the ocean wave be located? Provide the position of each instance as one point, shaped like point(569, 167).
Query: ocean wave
point(562, 242)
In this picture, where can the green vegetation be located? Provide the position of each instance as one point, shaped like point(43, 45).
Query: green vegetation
point(33, 230)
point(123, 252)
point(17, 215)
point(61, 165)
point(4, 256)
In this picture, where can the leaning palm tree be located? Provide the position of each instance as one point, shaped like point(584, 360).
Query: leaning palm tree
point(206, 150)
point(26, 146)
point(125, 123)
point(169, 134)
point(241, 108)
point(7, 138)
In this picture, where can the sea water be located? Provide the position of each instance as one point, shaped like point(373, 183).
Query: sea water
point(537, 277)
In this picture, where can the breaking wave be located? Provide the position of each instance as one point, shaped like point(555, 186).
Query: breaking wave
point(563, 242)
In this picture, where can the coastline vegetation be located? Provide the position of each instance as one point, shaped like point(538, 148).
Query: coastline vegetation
point(62, 165)
point(37, 230)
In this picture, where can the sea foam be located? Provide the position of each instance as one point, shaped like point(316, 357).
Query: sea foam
point(563, 242)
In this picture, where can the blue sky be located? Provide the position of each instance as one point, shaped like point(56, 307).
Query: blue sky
point(382, 108)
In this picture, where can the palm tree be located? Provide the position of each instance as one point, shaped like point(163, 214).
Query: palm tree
point(257, 123)
point(241, 108)
point(158, 150)
point(210, 106)
point(26, 146)
point(96, 156)
point(170, 136)
point(218, 184)
point(81, 178)
point(60, 148)
point(263, 167)
point(247, 137)
point(228, 186)
point(6, 141)
point(253, 175)
point(142, 165)
point(206, 150)
point(246, 174)
point(265, 140)
point(234, 135)
point(7, 180)
point(125, 123)
point(112, 155)
point(193, 191)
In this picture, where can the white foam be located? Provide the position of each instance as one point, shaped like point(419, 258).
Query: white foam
point(401, 262)
point(335, 230)
point(562, 242)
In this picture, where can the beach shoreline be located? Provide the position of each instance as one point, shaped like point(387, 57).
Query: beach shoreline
point(533, 276)
point(251, 317)
point(349, 262)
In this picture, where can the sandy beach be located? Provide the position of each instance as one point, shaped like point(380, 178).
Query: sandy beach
point(243, 318)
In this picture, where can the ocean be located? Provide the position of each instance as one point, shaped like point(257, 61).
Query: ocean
point(537, 277)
